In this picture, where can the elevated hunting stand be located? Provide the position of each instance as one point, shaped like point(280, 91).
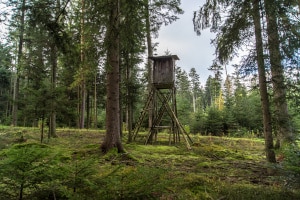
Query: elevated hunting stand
point(161, 100)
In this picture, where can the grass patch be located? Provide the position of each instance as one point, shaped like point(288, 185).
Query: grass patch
point(215, 168)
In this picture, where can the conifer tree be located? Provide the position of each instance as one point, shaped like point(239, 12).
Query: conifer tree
point(270, 154)
point(19, 63)
point(195, 86)
point(112, 40)
point(281, 109)
point(231, 35)
point(237, 30)
point(5, 77)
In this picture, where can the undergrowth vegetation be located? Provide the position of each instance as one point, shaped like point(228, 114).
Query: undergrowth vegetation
point(72, 167)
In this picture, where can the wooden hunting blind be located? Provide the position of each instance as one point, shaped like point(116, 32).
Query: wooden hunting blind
point(161, 101)
point(164, 71)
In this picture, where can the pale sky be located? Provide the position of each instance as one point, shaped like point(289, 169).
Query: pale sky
point(179, 38)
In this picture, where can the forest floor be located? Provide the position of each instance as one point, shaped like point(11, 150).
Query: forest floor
point(215, 167)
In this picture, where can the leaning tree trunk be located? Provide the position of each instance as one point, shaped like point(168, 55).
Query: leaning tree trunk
point(112, 138)
point(267, 121)
point(281, 110)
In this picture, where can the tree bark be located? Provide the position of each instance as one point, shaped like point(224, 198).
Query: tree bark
point(42, 128)
point(82, 61)
point(129, 93)
point(54, 59)
point(88, 110)
point(284, 132)
point(112, 138)
point(95, 118)
point(52, 122)
point(149, 64)
point(267, 121)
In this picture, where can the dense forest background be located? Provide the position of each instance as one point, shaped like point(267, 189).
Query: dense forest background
point(53, 64)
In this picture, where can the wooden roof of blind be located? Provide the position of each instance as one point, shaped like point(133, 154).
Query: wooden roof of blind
point(175, 57)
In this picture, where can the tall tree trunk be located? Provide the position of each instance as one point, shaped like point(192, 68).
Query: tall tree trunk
point(149, 63)
point(120, 99)
point(52, 122)
point(82, 104)
point(54, 59)
point(15, 99)
point(129, 120)
point(95, 118)
point(10, 103)
point(88, 110)
point(194, 101)
point(112, 138)
point(267, 121)
point(281, 110)
point(129, 115)
point(42, 128)
point(19, 61)
point(82, 61)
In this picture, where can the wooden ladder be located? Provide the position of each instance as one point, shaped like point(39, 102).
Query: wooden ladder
point(143, 114)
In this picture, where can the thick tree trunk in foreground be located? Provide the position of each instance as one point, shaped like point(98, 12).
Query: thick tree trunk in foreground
point(281, 110)
point(113, 129)
point(267, 122)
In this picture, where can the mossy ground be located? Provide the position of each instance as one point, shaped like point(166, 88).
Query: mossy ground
point(215, 168)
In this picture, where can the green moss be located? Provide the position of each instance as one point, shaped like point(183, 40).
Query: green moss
point(215, 168)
